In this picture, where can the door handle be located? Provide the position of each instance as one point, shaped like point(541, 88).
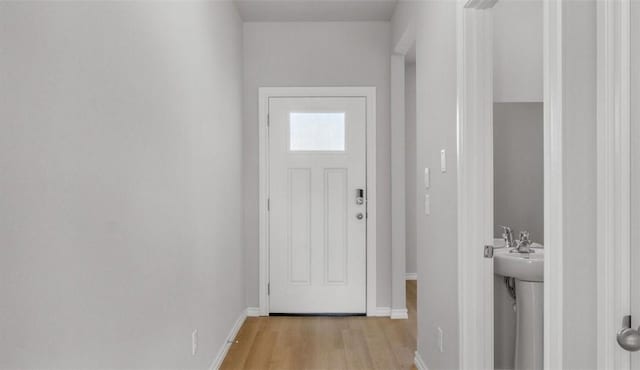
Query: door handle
point(628, 338)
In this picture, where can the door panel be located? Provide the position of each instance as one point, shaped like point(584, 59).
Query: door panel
point(317, 242)
point(299, 225)
point(335, 196)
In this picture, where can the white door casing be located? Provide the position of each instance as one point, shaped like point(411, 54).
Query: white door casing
point(614, 180)
point(634, 163)
point(317, 183)
point(475, 183)
point(265, 94)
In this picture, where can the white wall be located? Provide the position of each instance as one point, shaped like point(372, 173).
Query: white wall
point(437, 233)
point(120, 154)
point(437, 257)
point(436, 241)
point(517, 42)
point(317, 54)
point(410, 167)
point(404, 17)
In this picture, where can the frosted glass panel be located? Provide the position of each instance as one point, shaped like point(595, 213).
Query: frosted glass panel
point(317, 132)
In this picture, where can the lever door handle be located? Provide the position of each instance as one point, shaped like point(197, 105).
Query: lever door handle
point(628, 338)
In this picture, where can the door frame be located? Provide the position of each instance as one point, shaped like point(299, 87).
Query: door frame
point(475, 166)
point(369, 93)
point(398, 174)
point(614, 179)
point(475, 182)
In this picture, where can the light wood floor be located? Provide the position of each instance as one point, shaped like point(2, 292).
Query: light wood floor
point(299, 343)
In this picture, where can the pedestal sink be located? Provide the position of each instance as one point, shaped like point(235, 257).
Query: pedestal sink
point(528, 271)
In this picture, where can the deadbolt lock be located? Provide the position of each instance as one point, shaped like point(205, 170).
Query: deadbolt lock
point(359, 196)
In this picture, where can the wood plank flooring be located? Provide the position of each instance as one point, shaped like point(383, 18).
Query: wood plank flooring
point(315, 343)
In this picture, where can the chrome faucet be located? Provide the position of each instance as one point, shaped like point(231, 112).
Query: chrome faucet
point(524, 244)
point(507, 235)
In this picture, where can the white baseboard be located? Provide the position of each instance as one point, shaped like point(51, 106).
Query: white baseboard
point(222, 353)
point(253, 311)
point(411, 276)
point(399, 313)
point(419, 362)
point(380, 312)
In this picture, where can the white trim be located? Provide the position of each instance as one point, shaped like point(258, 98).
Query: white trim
point(476, 345)
point(398, 189)
point(419, 362)
point(370, 94)
point(411, 276)
point(399, 314)
point(222, 353)
point(480, 4)
point(475, 185)
point(253, 311)
point(263, 251)
point(553, 184)
point(398, 166)
point(381, 312)
point(614, 178)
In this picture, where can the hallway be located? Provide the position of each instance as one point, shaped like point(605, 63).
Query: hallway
point(326, 342)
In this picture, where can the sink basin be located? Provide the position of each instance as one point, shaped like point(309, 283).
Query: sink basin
point(522, 266)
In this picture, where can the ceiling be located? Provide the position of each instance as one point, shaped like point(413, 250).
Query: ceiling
point(315, 10)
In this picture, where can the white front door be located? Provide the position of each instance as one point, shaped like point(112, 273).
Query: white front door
point(317, 205)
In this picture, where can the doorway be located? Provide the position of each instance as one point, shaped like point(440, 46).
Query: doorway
point(317, 200)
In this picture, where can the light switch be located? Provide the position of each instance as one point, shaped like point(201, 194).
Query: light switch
point(427, 204)
point(427, 179)
point(443, 161)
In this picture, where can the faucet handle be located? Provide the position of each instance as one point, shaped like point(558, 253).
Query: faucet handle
point(507, 233)
point(524, 235)
point(505, 229)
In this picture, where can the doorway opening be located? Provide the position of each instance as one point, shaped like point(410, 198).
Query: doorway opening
point(317, 200)
point(497, 139)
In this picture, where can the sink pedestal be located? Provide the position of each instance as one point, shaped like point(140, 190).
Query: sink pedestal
point(529, 325)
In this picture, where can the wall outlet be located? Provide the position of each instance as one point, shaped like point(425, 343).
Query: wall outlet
point(194, 342)
point(440, 340)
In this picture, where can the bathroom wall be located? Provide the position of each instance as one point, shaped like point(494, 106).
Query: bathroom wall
point(518, 168)
point(410, 167)
point(121, 176)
